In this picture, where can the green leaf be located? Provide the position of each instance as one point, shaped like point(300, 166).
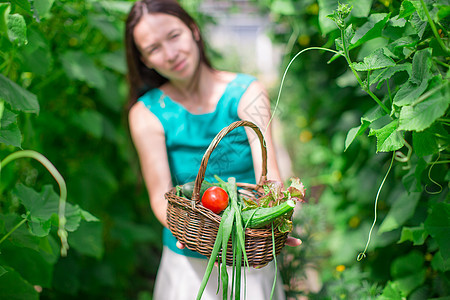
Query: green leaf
point(14, 287)
point(88, 217)
point(283, 7)
point(17, 30)
point(389, 138)
point(409, 93)
point(376, 60)
point(9, 131)
point(66, 277)
point(104, 24)
point(438, 225)
point(112, 96)
point(416, 235)
point(91, 121)
point(413, 179)
point(439, 264)
point(401, 211)
point(121, 7)
point(128, 233)
point(18, 97)
point(421, 66)
point(79, 66)
point(36, 55)
point(43, 7)
point(2, 271)
point(88, 239)
point(40, 228)
point(425, 142)
point(424, 114)
point(408, 271)
point(24, 4)
point(73, 216)
point(29, 263)
point(374, 115)
point(398, 46)
point(355, 132)
point(419, 8)
point(44, 207)
point(21, 237)
point(370, 30)
point(407, 9)
point(40, 205)
point(4, 12)
point(115, 61)
point(381, 75)
point(443, 12)
point(392, 292)
point(418, 24)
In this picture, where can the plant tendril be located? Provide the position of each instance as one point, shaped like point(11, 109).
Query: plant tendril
point(362, 255)
point(284, 75)
point(431, 179)
point(399, 156)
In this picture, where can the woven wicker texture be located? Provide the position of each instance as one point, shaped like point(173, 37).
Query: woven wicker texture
point(196, 226)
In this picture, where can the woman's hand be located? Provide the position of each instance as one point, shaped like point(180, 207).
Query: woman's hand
point(180, 245)
point(293, 242)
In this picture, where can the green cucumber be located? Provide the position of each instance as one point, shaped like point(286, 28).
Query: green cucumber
point(188, 188)
point(261, 216)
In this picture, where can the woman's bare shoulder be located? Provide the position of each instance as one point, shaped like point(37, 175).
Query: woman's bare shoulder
point(141, 120)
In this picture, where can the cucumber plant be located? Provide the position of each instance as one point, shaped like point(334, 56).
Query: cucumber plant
point(397, 88)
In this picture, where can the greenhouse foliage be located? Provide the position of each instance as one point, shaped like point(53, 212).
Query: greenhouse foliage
point(364, 108)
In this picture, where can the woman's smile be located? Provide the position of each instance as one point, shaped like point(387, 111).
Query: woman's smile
point(179, 66)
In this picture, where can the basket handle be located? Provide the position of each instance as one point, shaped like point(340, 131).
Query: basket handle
point(213, 145)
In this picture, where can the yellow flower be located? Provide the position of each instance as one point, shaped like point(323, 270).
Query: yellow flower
point(313, 9)
point(337, 175)
point(73, 42)
point(305, 136)
point(304, 40)
point(354, 222)
point(340, 268)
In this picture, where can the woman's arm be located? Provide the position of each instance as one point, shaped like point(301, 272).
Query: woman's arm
point(148, 137)
point(255, 107)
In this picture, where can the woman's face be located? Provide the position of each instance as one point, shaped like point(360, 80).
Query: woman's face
point(167, 45)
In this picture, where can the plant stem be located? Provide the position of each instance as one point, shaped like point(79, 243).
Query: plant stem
point(12, 230)
point(429, 93)
point(365, 88)
point(62, 188)
point(433, 28)
point(442, 162)
point(441, 63)
point(389, 92)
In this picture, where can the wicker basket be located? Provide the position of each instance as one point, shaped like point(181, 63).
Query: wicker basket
point(196, 226)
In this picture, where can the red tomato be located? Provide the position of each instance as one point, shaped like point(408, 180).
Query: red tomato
point(215, 198)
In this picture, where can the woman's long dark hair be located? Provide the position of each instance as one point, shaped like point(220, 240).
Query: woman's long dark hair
point(140, 77)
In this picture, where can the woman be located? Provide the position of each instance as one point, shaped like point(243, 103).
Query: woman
point(178, 103)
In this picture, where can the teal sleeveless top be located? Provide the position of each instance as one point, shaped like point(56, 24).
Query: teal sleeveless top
point(188, 136)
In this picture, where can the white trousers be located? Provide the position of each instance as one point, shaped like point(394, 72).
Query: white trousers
point(179, 278)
